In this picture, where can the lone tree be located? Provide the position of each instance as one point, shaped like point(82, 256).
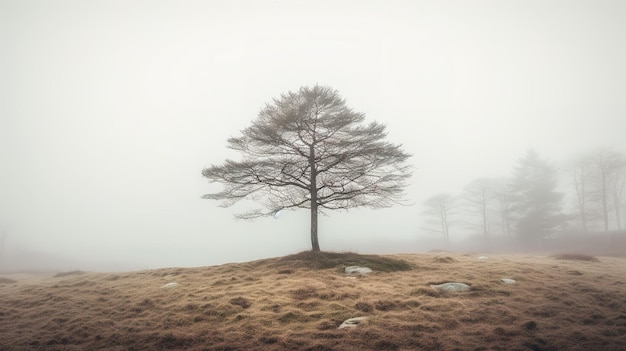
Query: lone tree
point(307, 149)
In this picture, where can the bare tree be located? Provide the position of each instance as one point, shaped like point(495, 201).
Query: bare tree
point(503, 200)
point(478, 195)
point(617, 182)
point(3, 235)
point(581, 180)
point(307, 149)
point(609, 169)
point(440, 208)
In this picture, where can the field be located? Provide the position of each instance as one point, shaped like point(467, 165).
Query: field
point(567, 302)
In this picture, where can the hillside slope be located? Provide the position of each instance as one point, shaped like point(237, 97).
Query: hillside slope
point(557, 303)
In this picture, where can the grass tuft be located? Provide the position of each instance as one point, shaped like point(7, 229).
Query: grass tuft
point(363, 307)
point(304, 293)
point(240, 301)
point(424, 292)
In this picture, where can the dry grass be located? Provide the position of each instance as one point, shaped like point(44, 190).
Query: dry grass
point(292, 304)
point(7, 281)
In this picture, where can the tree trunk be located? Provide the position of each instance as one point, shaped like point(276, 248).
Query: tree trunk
point(605, 207)
point(444, 224)
point(485, 229)
point(618, 217)
point(580, 193)
point(315, 245)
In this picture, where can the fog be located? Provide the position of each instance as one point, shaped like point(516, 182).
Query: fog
point(109, 110)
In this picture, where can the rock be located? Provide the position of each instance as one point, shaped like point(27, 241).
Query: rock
point(357, 270)
point(507, 281)
point(170, 285)
point(451, 287)
point(352, 322)
point(483, 257)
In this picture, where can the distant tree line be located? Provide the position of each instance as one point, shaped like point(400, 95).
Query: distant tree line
point(537, 200)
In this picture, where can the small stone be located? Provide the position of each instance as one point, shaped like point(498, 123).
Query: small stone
point(483, 257)
point(357, 270)
point(352, 322)
point(507, 281)
point(170, 285)
point(451, 287)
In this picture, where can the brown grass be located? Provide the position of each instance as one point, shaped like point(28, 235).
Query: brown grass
point(7, 281)
point(285, 304)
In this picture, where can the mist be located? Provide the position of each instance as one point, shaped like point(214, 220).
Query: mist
point(110, 110)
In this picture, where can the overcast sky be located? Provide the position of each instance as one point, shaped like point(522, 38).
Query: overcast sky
point(109, 110)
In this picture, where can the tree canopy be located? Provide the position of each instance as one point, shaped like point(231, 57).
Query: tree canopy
point(307, 149)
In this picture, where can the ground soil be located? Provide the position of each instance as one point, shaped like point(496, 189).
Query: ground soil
point(568, 302)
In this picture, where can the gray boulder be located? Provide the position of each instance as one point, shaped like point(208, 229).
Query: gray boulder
point(357, 270)
point(451, 287)
point(352, 322)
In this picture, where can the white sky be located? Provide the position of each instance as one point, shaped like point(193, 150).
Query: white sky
point(109, 110)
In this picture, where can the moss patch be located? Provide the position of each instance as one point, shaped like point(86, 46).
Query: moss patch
point(329, 260)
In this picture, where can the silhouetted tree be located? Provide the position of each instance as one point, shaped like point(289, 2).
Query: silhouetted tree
point(478, 195)
point(582, 182)
point(3, 235)
point(535, 202)
point(440, 208)
point(617, 183)
point(307, 149)
point(502, 196)
point(608, 179)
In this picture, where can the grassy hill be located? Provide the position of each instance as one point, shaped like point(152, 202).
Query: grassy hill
point(570, 302)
